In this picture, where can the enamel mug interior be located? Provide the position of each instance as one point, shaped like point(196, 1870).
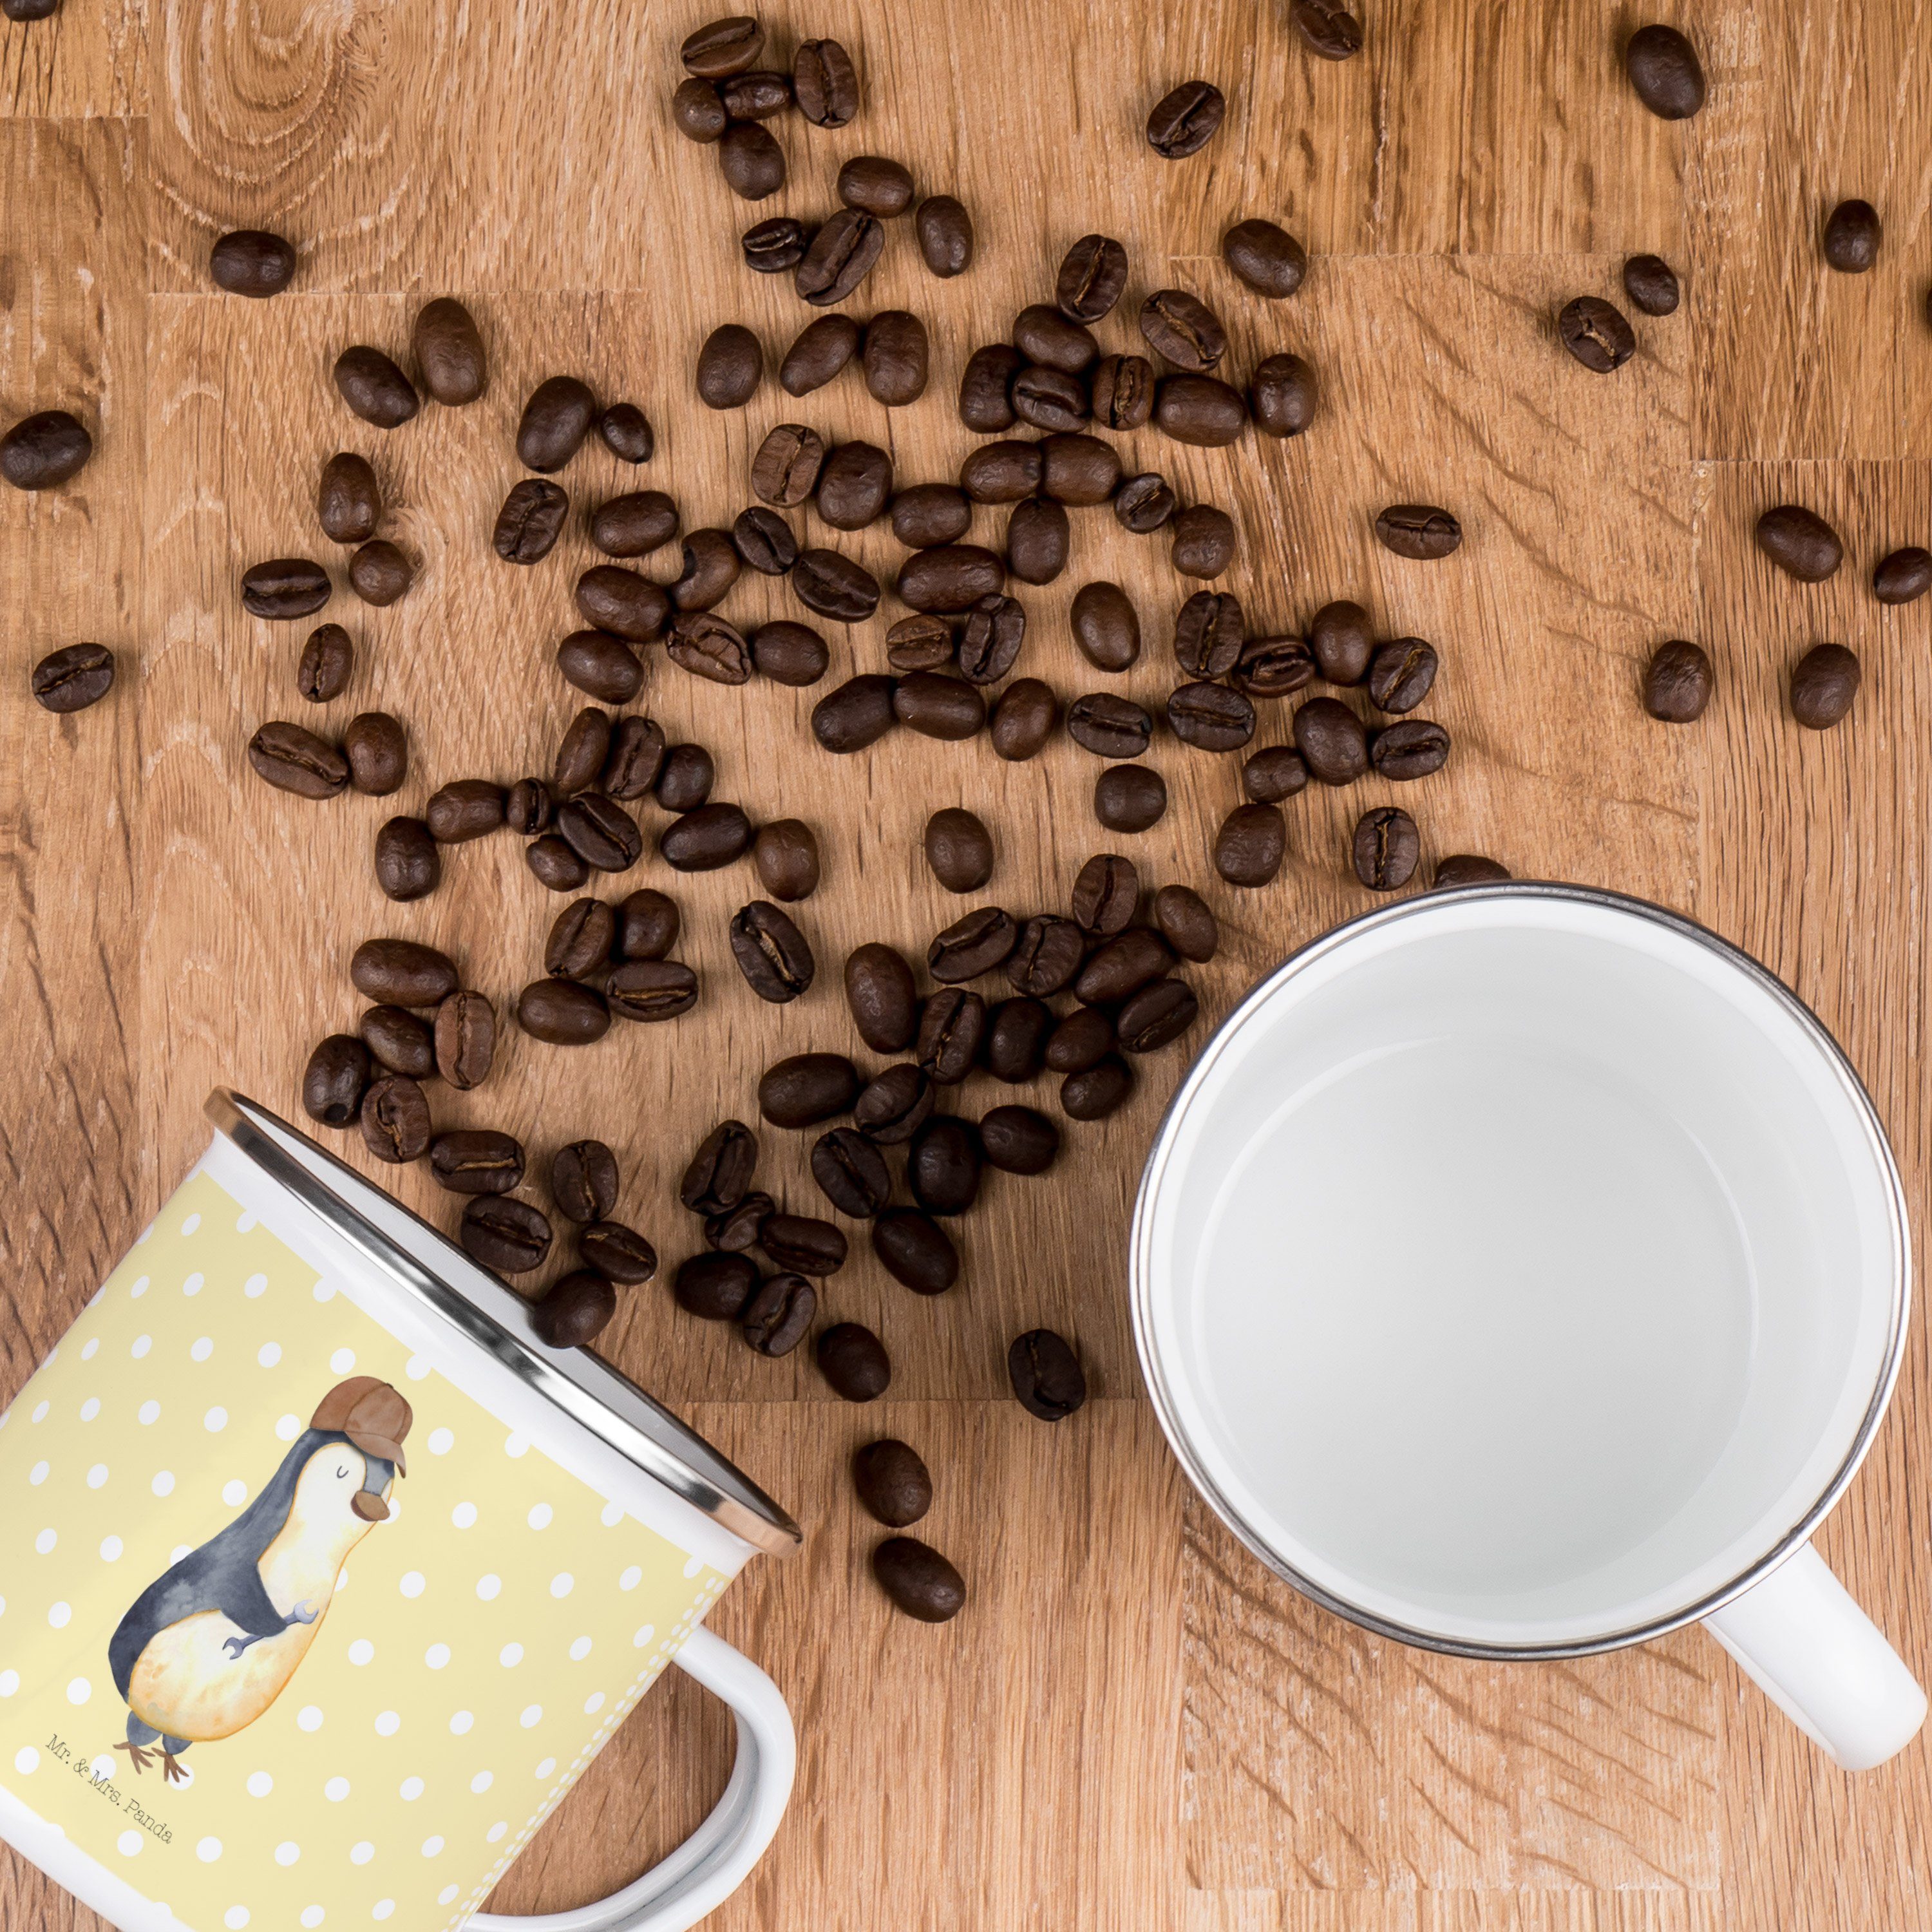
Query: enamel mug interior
point(1520, 1270)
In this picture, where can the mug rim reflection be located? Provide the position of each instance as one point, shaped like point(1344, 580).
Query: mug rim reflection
point(1141, 1292)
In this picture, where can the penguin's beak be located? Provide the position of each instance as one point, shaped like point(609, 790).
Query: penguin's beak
point(370, 1506)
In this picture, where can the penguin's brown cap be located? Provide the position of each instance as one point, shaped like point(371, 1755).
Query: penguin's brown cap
point(371, 1414)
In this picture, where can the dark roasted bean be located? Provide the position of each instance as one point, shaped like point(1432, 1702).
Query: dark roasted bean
point(806, 1088)
point(879, 990)
point(937, 707)
point(1272, 667)
point(1047, 955)
point(465, 1039)
point(246, 261)
point(583, 1181)
point(449, 353)
point(1207, 634)
point(1003, 471)
point(921, 643)
point(528, 808)
point(1275, 773)
point(1108, 726)
point(698, 110)
point(1800, 542)
point(375, 389)
point(1015, 1040)
point(574, 1310)
point(841, 256)
point(1385, 848)
point(715, 1286)
point(896, 357)
point(1082, 1039)
point(633, 524)
point(1106, 626)
point(626, 433)
point(477, 1160)
point(752, 163)
point(785, 470)
point(1023, 719)
point(917, 1252)
point(1097, 1090)
point(600, 831)
point(408, 866)
point(1823, 683)
point(333, 1081)
point(736, 1229)
point(601, 666)
point(1327, 27)
point(649, 990)
point(722, 46)
point(1038, 539)
point(348, 503)
point(702, 643)
point(985, 388)
point(991, 637)
point(1651, 284)
point(789, 653)
point(1018, 1140)
point(581, 939)
point(1121, 392)
point(951, 1026)
point(1201, 410)
point(720, 1170)
point(1282, 395)
point(1106, 893)
point(622, 602)
point(1160, 1012)
point(1468, 868)
point(328, 660)
point(1045, 336)
point(71, 679)
point(705, 838)
point(378, 572)
point(1343, 641)
point(824, 83)
point(854, 485)
point(1092, 274)
point(892, 1482)
point(851, 1172)
point(945, 232)
point(395, 1119)
point(1331, 738)
point(852, 1359)
point(1182, 329)
point(1401, 673)
point(1187, 922)
point(1203, 541)
point(511, 1237)
point(647, 925)
point(1596, 333)
point(943, 1165)
point(465, 808)
point(1050, 399)
point(581, 753)
point(1418, 530)
point(771, 952)
point(919, 1581)
point(1129, 798)
point(618, 1253)
point(1266, 258)
point(786, 856)
point(779, 1315)
point(399, 1041)
point(1183, 122)
point(563, 1012)
point(929, 514)
point(530, 522)
point(875, 184)
point(554, 865)
point(1250, 845)
point(1903, 576)
point(1125, 964)
point(377, 750)
point(287, 586)
point(1210, 717)
point(856, 714)
point(555, 422)
point(711, 566)
point(731, 365)
point(775, 247)
point(755, 96)
point(801, 1244)
point(1663, 69)
point(973, 945)
point(834, 586)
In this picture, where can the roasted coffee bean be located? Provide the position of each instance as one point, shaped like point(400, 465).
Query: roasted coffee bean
point(1277, 773)
point(1050, 399)
point(945, 232)
point(465, 1040)
point(1401, 673)
point(1203, 541)
point(876, 185)
point(715, 1286)
point(1282, 395)
point(702, 840)
point(834, 586)
point(601, 666)
point(1342, 642)
point(1183, 122)
point(398, 1041)
point(1046, 956)
point(1250, 845)
point(712, 565)
point(449, 355)
point(991, 637)
point(378, 752)
point(929, 514)
point(1651, 283)
point(1125, 964)
point(800, 1244)
point(779, 1314)
point(1385, 848)
point(752, 163)
point(1092, 274)
point(632, 525)
point(720, 1172)
point(1082, 1039)
point(1129, 798)
point(892, 1482)
point(622, 602)
point(1332, 740)
point(618, 1253)
point(1412, 749)
point(328, 660)
point(635, 764)
point(626, 433)
point(348, 502)
point(854, 485)
point(287, 586)
point(1106, 626)
point(649, 990)
point(702, 643)
point(378, 572)
point(1902, 576)
point(684, 777)
point(786, 856)
point(1187, 922)
point(600, 831)
point(917, 1252)
point(737, 1228)
point(408, 866)
point(1677, 683)
point(1046, 336)
point(44, 450)
point(293, 760)
point(1597, 334)
point(564, 1012)
point(1108, 726)
point(246, 261)
point(465, 808)
point(1018, 1140)
point(1201, 410)
point(1016, 1040)
point(896, 357)
point(1272, 667)
point(824, 83)
point(1003, 471)
point(477, 1160)
point(789, 653)
point(574, 1310)
point(73, 678)
point(851, 1172)
point(1023, 719)
point(806, 1088)
point(731, 365)
point(1266, 258)
point(1098, 1091)
point(1207, 634)
point(511, 1237)
point(785, 470)
point(722, 46)
point(857, 714)
point(581, 754)
point(1106, 893)
point(1038, 540)
point(1418, 531)
point(1823, 683)
point(771, 952)
point(1800, 542)
point(395, 1119)
point(530, 522)
point(937, 707)
point(1210, 717)
point(755, 96)
point(1468, 869)
point(842, 255)
point(771, 248)
point(698, 110)
point(583, 1181)
point(1160, 1012)
point(581, 939)
point(973, 945)
point(555, 422)
point(1120, 394)
point(333, 1081)
point(1663, 68)
point(1183, 330)
point(921, 643)
point(1044, 1370)
point(918, 1580)
point(554, 864)
point(879, 990)
point(943, 1165)
point(647, 925)
point(952, 1025)
point(375, 389)
point(853, 1360)
point(985, 386)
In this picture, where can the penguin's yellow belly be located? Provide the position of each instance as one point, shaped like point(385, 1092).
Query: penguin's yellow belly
point(186, 1685)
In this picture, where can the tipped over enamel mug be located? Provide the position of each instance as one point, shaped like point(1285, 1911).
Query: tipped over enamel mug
point(322, 1578)
point(1521, 1272)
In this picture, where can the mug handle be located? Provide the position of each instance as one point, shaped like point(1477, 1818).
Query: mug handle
point(712, 1863)
point(1822, 1662)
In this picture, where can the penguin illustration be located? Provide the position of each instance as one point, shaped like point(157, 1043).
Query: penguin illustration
point(207, 1647)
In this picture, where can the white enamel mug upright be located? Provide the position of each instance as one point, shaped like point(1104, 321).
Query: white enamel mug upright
point(1521, 1272)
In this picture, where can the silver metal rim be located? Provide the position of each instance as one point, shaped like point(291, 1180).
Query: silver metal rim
point(1223, 1037)
point(583, 1387)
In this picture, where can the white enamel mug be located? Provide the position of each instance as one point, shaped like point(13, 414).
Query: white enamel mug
point(1521, 1272)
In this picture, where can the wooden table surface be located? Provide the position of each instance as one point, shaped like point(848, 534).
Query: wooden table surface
point(1133, 1723)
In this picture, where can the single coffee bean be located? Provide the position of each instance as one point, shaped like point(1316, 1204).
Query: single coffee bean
point(984, 403)
point(789, 653)
point(779, 1314)
point(581, 754)
point(945, 232)
point(293, 760)
point(626, 433)
point(736, 1229)
point(1120, 394)
point(731, 365)
point(1272, 667)
point(465, 808)
point(1106, 893)
point(698, 110)
point(929, 514)
point(449, 353)
point(1386, 848)
point(973, 945)
point(774, 246)
point(917, 1252)
point(1276, 773)
point(824, 83)
point(1015, 1043)
point(1045, 1374)
point(856, 715)
point(851, 1172)
point(722, 46)
point(511, 1237)
point(1018, 1140)
point(892, 1482)
point(771, 952)
point(1159, 1012)
point(581, 939)
point(720, 1172)
point(752, 163)
point(395, 1120)
point(1050, 399)
point(785, 470)
point(1342, 642)
point(647, 925)
point(1201, 410)
point(1082, 1039)
point(875, 184)
point(632, 525)
point(991, 637)
point(702, 643)
point(1187, 922)
point(554, 864)
point(574, 1310)
point(1412, 749)
point(1678, 682)
point(286, 586)
point(1106, 626)
point(853, 1360)
point(374, 387)
point(1401, 673)
point(600, 831)
point(43, 451)
point(879, 990)
point(921, 643)
point(634, 763)
point(1047, 955)
point(1203, 541)
point(1045, 336)
point(835, 586)
point(952, 1025)
point(251, 261)
point(1332, 739)
point(1663, 69)
point(622, 602)
point(601, 666)
point(378, 572)
point(1129, 798)
point(348, 500)
point(73, 678)
point(618, 1253)
point(530, 521)
point(465, 1040)
point(943, 1165)
point(1100, 1089)
point(842, 255)
point(1207, 634)
point(1210, 717)
point(712, 565)
point(378, 752)
point(1902, 576)
point(1282, 395)
point(715, 1286)
point(1023, 719)
point(1800, 542)
point(1183, 122)
point(918, 1580)
point(563, 1012)
point(1125, 964)
point(1651, 283)
point(854, 485)
point(398, 1041)
point(333, 1081)
point(477, 1160)
point(936, 706)
point(800, 1244)
point(756, 95)
point(890, 1107)
point(1468, 868)
point(896, 357)
point(583, 1181)
point(1093, 275)
point(1250, 845)
point(1003, 471)
point(1183, 330)
point(1266, 258)
point(805, 1088)
point(702, 840)
point(328, 660)
point(649, 990)
point(1597, 334)
point(1108, 726)
point(685, 778)
point(555, 422)
point(785, 854)
point(408, 866)
point(1418, 531)
point(1823, 683)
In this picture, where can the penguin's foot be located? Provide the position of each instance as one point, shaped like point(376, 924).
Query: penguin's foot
point(172, 1769)
point(138, 1755)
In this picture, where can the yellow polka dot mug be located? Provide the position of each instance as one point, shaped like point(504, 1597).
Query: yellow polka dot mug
point(322, 1578)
